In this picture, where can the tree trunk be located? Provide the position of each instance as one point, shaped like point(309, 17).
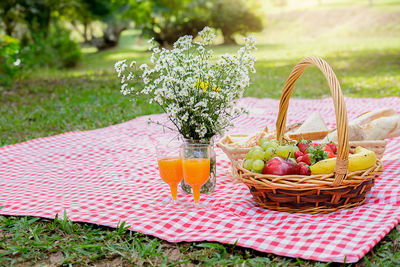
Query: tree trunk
point(228, 39)
point(85, 28)
point(110, 37)
point(9, 27)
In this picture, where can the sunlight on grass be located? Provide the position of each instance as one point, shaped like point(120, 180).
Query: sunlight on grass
point(119, 56)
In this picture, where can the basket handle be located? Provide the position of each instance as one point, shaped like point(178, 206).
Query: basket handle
point(340, 110)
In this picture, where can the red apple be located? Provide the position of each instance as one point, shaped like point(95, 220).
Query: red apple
point(280, 166)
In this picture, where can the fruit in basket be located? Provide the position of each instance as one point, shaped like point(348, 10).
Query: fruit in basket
point(331, 155)
point(298, 154)
point(265, 144)
point(304, 169)
point(316, 153)
point(258, 166)
point(280, 166)
point(269, 153)
point(286, 151)
point(248, 164)
point(361, 159)
point(330, 147)
point(256, 153)
point(306, 158)
point(303, 145)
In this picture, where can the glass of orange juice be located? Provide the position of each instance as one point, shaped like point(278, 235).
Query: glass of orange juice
point(170, 166)
point(196, 167)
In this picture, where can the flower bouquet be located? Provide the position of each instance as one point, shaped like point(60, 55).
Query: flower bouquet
point(197, 92)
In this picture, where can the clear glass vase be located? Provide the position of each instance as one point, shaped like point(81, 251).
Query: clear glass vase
point(209, 186)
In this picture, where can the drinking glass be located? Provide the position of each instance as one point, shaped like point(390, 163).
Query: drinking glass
point(170, 166)
point(196, 167)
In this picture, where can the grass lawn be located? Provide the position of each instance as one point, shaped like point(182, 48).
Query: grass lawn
point(361, 43)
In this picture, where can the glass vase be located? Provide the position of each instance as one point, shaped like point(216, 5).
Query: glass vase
point(209, 186)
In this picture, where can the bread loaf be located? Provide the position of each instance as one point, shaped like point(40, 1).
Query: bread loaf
point(356, 133)
point(365, 118)
point(373, 125)
point(384, 127)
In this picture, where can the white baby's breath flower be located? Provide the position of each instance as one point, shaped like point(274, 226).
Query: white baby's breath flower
point(130, 76)
point(185, 116)
point(186, 80)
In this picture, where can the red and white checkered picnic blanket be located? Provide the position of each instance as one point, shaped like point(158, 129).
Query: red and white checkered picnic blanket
point(109, 175)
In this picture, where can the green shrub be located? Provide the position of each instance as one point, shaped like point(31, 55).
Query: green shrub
point(10, 62)
point(67, 50)
point(56, 50)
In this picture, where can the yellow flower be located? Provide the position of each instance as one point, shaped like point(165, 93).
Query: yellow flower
point(204, 86)
point(197, 84)
point(217, 88)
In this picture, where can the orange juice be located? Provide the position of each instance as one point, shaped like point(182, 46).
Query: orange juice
point(196, 172)
point(171, 172)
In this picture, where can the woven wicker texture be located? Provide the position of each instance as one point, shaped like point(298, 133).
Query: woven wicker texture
point(315, 193)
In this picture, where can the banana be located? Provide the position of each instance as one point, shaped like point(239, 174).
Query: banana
point(361, 159)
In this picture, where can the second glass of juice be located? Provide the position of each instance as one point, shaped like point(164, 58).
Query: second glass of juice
point(196, 167)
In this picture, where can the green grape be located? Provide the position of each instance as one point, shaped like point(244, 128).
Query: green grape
point(258, 165)
point(263, 141)
point(248, 164)
point(265, 145)
point(269, 153)
point(283, 151)
point(293, 149)
point(269, 144)
point(274, 141)
point(255, 148)
point(249, 155)
point(258, 154)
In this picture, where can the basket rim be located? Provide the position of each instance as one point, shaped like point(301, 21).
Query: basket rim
point(307, 182)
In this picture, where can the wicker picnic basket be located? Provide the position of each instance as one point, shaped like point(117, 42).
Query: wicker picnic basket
point(237, 154)
point(320, 193)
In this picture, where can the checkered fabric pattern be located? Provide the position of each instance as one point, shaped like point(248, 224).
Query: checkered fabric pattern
point(109, 175)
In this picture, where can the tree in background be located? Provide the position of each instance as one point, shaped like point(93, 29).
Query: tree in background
point(85, 12)
point(38, 23)
point(234, 17)
point(112, 14)
point(114, 23)
point(166, 20)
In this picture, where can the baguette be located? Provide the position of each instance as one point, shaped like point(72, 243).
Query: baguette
point(365, 118)
point(384, 127)
point(356, 133)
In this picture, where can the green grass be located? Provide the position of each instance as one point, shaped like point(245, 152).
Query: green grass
point(364, 56)
point(31, 240)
